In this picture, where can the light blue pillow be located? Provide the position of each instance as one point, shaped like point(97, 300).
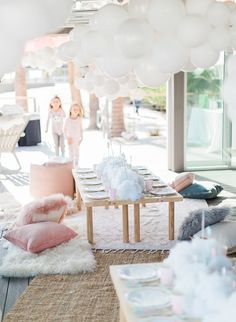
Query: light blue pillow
point(202, 190)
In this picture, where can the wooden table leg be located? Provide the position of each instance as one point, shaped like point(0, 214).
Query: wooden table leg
point(122, 317)
point(171, 220)
point(125, 214)
point(78, 199)
point(89, 211)
point(136, 222)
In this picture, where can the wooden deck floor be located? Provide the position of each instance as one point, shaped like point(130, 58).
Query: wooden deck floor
point(10, 289)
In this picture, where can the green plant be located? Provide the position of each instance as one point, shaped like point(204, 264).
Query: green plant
point(155, 96)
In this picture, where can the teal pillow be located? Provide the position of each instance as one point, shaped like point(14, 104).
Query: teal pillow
point(202, 190)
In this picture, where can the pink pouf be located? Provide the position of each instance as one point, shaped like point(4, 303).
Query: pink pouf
point(51, 178)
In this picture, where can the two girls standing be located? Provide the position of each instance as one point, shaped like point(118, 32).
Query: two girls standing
point(73, 129)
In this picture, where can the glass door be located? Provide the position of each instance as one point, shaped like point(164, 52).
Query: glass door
point(207, 127)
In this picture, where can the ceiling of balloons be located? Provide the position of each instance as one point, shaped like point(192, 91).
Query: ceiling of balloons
point(121, 46)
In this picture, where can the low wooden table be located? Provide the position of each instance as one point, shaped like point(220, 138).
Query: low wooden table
point(91, 203)
point(126, 313)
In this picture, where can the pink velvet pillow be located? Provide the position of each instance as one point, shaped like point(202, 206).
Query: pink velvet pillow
point(37, 237)
point(182, 181)
point(51, 178)
point(51, 208)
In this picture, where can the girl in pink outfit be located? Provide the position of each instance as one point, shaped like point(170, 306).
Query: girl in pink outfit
point(74, 131)
point(57, 116)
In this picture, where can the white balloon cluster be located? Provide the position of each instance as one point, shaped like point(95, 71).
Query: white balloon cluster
point(24, 20)
point(204, 277)
point(116, 175)
point(150, 40)
point(229, 87)
point(45, 59)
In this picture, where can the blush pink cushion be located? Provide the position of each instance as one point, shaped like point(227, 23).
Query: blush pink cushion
point(36, 237)
point(51, 178)
point(51, 208)
point(182, 181)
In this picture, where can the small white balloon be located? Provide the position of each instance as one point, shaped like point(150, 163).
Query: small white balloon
point(204, 56)
point(110, 17)
point(165, 15)
point(93, 43)
point(148, 73)
point(77, 33)
point(220, 38)
point(134, 38)
point(81, 59)
point(93, 22)
point(99, 80)
point(169, 54)
point(88, 85)
point(111, 87)
point(138, 8)
point(132, 83)
point(198, 6)
point(189, 67)
point(114, 65)
point(193, 30)
point(68, 50)
point(99, 91)
point(80, 83)
point(218, 14)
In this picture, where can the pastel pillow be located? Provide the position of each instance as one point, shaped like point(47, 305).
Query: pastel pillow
point(202, 190)
point(193, 223)
point(51, 178)
point(37, 237)
point(52, 208)
point(182, 181)
point(224, 233)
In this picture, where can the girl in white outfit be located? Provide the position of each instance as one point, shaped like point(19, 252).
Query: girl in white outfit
point(57, 116)
point(74, 131)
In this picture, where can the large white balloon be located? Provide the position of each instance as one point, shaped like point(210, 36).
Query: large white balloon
point(78, 32)
point(232, 19)
point(231, 66)
point(138, 8)
point(93, 43)
point(165, 15)
point(193, 30)
point(93, 22)
point(204, 56)
point(110, 17)
point(169, 54)
point(81, 59)
point(220, 38)
point(113, 63)
point(134, 38)
point(111, 87)
point(197, 6)
point(10, 55)
point(148, 74)
point(231, 5)
point(99, 91)
point(218, 14)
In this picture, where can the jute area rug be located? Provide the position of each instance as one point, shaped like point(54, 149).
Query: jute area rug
point(86, 297)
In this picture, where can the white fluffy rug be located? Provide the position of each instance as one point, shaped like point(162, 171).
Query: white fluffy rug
point(68, 258)
point(154, 225)
point(9, 207)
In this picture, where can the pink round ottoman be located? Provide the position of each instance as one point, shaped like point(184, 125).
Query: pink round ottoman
point(51, 178)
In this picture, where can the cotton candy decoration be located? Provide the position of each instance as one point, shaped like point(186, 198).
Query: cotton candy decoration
point(129, 190)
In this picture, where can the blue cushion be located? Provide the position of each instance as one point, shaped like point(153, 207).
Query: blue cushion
point(202, 190)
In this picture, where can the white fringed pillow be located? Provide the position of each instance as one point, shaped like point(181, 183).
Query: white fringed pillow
point(52, 208)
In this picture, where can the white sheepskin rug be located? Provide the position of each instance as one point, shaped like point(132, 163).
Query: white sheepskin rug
point(72, 257)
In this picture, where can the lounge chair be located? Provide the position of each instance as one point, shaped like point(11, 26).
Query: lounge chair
point(11, 129)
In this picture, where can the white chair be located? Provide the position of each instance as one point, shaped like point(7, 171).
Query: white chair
point(11, 129)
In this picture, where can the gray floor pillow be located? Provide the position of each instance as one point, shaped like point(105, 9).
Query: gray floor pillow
point(193, 223)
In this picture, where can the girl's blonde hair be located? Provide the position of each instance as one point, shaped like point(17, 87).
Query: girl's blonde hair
point(55, 97)
point(81, 110)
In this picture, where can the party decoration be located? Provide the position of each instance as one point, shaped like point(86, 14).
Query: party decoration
point(193, 30)
point(220, 38)
point(204, 56)
point(197, 6)
point(138, 8)
point(135, 38)
point(218, 14)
